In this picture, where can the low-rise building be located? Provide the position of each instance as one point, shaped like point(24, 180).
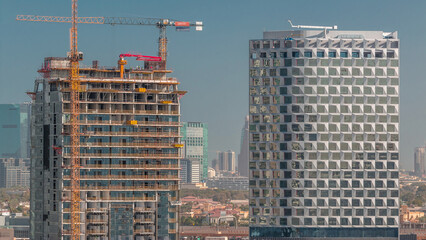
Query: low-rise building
point(6, 234)
point(230, 183)
point(412, 215)
point(218, 216)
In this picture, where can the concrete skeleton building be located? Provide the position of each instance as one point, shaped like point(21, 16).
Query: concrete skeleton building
point(324, 135)
point(195, 139)
point(420, 161)
point(129, 151)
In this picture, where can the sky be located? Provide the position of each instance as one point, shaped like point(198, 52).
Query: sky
point(211, 65)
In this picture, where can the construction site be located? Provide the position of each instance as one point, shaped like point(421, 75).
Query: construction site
point(106, 143)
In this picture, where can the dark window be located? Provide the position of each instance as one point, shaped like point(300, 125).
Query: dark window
point(283, 72)
point(308, 54)
point(287, 156)
point(287, 174)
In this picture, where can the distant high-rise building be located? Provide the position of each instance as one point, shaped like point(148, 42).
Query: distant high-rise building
point(195, 138)
point(243, 157)
point(215, 165)
point(15, 130)
point(324, 135)
point(226, 161)
point(14, 172)
point(420, 161)
point(211, 172)
point(190, 170)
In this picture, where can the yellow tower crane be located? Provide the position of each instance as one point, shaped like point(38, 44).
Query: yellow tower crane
point(75, 57)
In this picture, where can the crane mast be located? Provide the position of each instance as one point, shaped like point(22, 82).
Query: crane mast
point(75, 136)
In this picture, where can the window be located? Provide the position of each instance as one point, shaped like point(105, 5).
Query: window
point(295, 54)
point(344, 54)
point(283, 54)
point(320, 54)
point(367, 54)
point(331, 54)
point(308, 54)
point(355, 54)
point(283, 72)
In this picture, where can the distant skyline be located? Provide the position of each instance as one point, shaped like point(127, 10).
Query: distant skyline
point(212, 65)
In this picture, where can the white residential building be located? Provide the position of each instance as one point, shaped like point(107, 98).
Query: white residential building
point(324, 135)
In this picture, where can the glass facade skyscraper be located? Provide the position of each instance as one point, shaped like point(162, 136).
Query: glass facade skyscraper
point(195, 137)
point(15, 130)
point(324, 135)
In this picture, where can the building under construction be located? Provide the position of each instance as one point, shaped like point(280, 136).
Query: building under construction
point(129, 122)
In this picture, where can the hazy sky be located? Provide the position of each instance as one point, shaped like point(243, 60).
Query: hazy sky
point(212, 65)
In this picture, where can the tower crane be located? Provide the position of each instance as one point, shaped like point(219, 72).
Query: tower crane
point(160, 23)
point(74, 58)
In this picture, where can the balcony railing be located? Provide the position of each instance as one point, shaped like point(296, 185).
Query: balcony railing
point(144, 112)
point(126, 155)
point(107, 177)
point(126, 144)
point(143, 231)
point(140, 209)
point(97, 221)
point(129, 166)
point(146, 220)
point(139, 123)
point(123, 188)
point(97, 232)
point(107, 198)
point(128, 133)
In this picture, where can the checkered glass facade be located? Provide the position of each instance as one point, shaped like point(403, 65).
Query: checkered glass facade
point(324, 132)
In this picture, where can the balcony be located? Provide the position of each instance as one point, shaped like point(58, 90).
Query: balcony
point(123, 188)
